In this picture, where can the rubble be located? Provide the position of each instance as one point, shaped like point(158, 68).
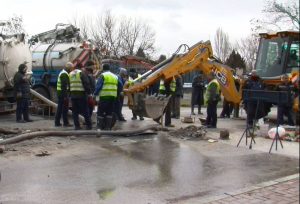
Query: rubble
point(224, 134)
point(190, 132)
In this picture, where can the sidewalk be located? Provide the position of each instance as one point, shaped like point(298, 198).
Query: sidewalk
point(280, 191)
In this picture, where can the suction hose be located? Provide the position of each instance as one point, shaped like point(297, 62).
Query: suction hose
point(31, 135)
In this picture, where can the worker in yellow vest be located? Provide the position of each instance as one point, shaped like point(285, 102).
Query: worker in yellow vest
point(80, 90)
point(63, 89)
point(212, 97)
point(133, 75)
point(107, 88)
point(178, 94)
point(168, 88)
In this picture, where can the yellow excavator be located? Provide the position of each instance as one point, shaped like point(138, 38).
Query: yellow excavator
point(274, 58)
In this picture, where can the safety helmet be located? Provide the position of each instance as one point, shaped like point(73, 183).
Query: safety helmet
point(123, 72)
point(69, 65)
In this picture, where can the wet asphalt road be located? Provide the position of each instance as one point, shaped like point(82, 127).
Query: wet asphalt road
point(149, 169)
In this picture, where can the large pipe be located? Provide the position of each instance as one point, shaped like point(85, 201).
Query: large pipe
point(32, 135)
point(50, 103)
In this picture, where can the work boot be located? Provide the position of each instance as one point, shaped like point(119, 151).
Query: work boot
point(68, 125)
point(77, 128)
point(122, 119)
point(100, 122)
point(108, 122)
point(89, 127)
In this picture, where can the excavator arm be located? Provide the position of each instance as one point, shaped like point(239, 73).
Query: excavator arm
point(198, 57)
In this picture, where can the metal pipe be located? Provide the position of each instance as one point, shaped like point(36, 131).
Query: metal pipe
point(50, 103)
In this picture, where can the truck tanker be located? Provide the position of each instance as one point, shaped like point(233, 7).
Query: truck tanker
point(51, 50)
point(13, 52)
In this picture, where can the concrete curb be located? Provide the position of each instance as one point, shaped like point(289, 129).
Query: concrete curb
point(244, 190)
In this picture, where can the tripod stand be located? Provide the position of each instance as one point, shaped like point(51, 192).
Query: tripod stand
point(249, 131)
point(276, 138)
point(261, 96)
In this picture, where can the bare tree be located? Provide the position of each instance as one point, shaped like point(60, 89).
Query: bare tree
point(117, 37)
point(278, 16)
point(222, 46)
point(136, 35)
point(247, 47)
point(13, 25)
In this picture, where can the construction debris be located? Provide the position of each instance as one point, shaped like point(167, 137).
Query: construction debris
point(224, 134)
point(188, 119)
point(190, 132)
point(43, 153)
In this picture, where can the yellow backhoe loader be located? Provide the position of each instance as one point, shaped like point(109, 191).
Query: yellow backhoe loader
point(278, 54)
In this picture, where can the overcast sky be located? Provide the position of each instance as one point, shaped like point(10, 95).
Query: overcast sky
point(174, 22)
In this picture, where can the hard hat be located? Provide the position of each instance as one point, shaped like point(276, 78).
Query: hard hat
point(69, 65)
point(123, 71)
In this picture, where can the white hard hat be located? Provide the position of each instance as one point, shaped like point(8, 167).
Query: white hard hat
point(69, 65)
point(123, 71)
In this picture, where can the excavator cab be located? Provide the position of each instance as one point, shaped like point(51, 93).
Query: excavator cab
point(278, 54)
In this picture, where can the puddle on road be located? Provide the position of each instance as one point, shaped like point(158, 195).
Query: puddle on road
point(106, 193)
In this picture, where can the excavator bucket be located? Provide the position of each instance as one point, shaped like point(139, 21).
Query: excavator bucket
point(149, 106)
point(156, 105)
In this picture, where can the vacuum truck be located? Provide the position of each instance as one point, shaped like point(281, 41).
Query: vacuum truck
point(51, 50)
point(13, 52)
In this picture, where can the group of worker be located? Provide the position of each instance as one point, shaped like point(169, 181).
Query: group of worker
point(78, 85)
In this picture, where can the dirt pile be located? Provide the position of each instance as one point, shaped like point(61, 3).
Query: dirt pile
point(190, 132)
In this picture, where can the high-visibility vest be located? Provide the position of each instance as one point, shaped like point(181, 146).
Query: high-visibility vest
point(130, 79)
point(110, 85)
point(209, 86)
point(75, 81)
point(162, 87)
point(173, 85)
point(58, 84)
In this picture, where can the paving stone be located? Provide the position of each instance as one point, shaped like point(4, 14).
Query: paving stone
point(285, 192)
